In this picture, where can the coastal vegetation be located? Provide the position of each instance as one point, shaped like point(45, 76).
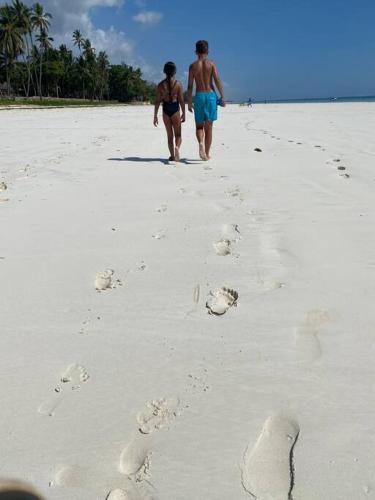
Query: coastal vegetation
point(30, 65)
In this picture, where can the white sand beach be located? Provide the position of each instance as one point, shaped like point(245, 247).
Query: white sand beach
point(136, 391)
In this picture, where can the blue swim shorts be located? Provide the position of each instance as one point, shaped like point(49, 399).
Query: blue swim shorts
point(205, 107)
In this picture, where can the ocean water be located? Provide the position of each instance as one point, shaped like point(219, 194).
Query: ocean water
point(369, 98)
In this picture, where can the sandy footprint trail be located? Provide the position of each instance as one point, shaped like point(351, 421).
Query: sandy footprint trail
point(73, 377)
point(135, 458)
point(222, 247)
point(306, 336)
point(75, 374)
point(230, 234)
point(268, 472)
point(103, 280)
point(157, 415)
point(221, 300)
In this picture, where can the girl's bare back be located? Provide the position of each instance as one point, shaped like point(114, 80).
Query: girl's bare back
point(169, 94)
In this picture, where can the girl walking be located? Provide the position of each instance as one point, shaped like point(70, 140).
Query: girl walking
point(170, 94)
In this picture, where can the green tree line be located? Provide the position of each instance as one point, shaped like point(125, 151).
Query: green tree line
point(31, 66)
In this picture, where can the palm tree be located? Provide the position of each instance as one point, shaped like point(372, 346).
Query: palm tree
point(44, 44)
point(88, 49)
point(41, 21)
point(88, 61)
point(11, 41)
point(39, 18)
point(23, 17)
point(78, 39)
point(103, 73)
point(80, 42)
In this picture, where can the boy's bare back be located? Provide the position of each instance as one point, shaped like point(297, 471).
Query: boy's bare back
point(203, 71)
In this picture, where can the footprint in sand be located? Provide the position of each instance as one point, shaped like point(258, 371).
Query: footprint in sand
point(235, 193)
point(231, 232)
point(74, 477)
point(306, 335)
point(97, 480)
point(121, 494)
point(142, 266)
point(135, 459)
point(269, 285)
point(103, 280)
point(222, 247)
point(268, 472)
point(3, 186)
point(129, 492)
point(75, 375)
point(159, 235)
point(158, 414)
point(163, 208)
point(91, 479)
point(221, 300)
point(48, 408)
point(117, 495)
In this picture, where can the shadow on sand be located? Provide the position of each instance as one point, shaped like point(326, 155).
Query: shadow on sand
point(138, 159)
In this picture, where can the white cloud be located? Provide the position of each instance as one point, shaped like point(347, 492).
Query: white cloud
point(148, 17)
point(69, 15)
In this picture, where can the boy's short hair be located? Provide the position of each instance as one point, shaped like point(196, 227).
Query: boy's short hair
point(201, 47)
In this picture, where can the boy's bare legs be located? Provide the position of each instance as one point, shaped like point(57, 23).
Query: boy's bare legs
point(208, 137)
point(169, 129)
point(176, 124)
point(200, 138)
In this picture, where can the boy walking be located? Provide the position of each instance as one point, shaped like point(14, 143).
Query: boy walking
point(204, 73)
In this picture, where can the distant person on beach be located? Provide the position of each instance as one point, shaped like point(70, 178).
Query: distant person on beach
point(170, 93)
point(249, 103)
point(204, 73)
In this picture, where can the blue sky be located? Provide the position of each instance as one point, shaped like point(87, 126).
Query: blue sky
point(263, 48)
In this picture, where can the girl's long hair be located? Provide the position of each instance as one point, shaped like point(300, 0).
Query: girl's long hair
point(169, 70)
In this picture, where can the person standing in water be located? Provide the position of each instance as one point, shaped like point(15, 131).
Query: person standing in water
point(204, 73)
point(170, 93)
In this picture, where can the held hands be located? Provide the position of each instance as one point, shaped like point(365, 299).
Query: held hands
point(190, 107)
point(156, 121)
point(183, 118)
